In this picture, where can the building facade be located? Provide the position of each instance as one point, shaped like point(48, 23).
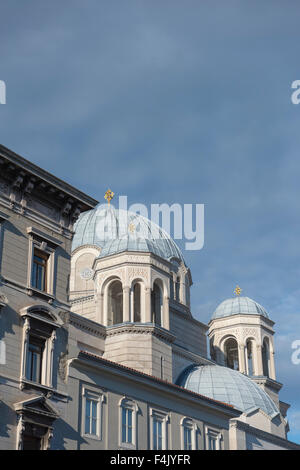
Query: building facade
point(98, 345)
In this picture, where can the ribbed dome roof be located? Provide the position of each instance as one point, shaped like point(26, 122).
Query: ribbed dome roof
point(229, 386)
point(116, 230)
point(239, 305)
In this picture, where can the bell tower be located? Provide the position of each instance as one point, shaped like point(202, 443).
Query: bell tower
point(241, 338)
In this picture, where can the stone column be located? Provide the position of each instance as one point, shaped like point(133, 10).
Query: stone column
point(147, 304)
point(272, 366)
point(50, 364)
point(259, 364)
point(99, 308)
point(126, 304)
point(25, 347)
point(20, 432)
point(166, 313)
point(242, 362)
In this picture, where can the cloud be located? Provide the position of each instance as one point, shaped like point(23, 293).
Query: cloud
point(173, 103)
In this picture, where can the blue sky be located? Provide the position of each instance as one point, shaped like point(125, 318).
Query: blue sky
point(173, 101)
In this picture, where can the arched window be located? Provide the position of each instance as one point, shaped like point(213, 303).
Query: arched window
point(249, 352)
point(115, 303)
point(232, 354)
point(265, 357)
point(128, 410)
point(177, 289)
point(137, 302)
point(156, 304)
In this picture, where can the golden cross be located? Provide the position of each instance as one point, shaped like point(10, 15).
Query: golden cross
point(131, 227)
point(237, 290)
point(109, 195)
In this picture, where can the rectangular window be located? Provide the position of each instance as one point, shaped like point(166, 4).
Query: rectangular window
point(32, 443)
point(187, 435)
point(213, 439)
point(91, 416)
point(127, 425)
point(39, 270)
point(157, 433)
point(34, 359)
point(212, 443)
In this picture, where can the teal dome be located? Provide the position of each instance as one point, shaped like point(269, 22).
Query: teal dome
point(116, 230)
point(228, 386)
point(239, 305)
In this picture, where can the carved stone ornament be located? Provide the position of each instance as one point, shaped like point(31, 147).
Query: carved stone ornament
point(135, 272)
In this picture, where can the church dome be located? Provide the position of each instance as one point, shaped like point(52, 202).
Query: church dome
point(228, 386)
point(116, 230)
point(237, 306)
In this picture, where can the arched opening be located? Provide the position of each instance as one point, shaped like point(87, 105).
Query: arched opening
point(266, 357)
point(156, 304)
point(177, 289)
point(232, 354)
point(115, 303)
point(137, 302)
point(249, 357)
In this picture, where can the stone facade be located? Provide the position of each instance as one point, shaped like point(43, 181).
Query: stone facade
point(71, 377)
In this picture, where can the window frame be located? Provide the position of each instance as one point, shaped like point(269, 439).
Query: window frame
point(164, 418)
point(47, 247)
point(40, 323)
point(96, 395)
point(30, 354)
point(38, 253)
point(128, 404)
point(216, 435)
point(188, 423)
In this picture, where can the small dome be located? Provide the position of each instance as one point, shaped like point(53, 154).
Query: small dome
point(239, 305)
point(116, 230)
point(228, 386)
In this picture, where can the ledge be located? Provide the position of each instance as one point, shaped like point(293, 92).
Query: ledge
point(32, 291)
point(38, 233)
point(141, 328)
point(3, 217)
point(45, 389)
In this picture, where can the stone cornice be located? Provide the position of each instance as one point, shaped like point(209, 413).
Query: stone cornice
point(38, 233)
point(93, 361)
point(35, 171)
point(188, 317)
point(262, 380)
point(142, 328)
point(238, 321)
point(87, 325)
point(3, 217)
point(133, 257)
point(277, 440)
point(81, 300)
point(3, 300)
point(191, 356)
point(39, 196)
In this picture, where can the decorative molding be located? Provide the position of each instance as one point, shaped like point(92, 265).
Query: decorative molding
point(3, 301)
point(34, 232)
point(81, 300)
point(135, 273)
point(134, 328)
point(87, 325)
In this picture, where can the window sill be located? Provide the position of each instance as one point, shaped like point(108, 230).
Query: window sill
point(49, 391)
point(91, 436)
point(125, 446)
point(32, 291)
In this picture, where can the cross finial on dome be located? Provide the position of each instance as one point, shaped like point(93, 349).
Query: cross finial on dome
point(237, 290)
point(109, 195)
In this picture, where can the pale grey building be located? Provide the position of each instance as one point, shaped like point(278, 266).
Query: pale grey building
point(98, 345)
